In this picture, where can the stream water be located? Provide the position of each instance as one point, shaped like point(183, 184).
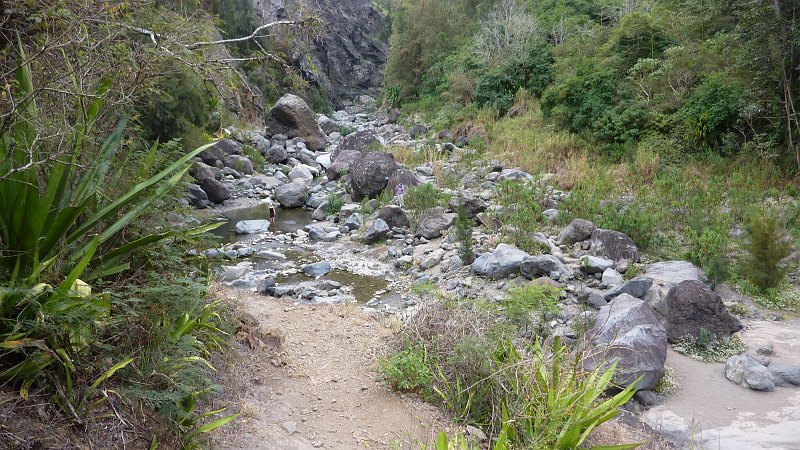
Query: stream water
point(362, 288)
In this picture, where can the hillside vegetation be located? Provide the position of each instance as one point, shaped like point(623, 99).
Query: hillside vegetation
point(669, 120)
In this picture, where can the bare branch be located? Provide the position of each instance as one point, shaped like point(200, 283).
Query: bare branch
point(252, 35)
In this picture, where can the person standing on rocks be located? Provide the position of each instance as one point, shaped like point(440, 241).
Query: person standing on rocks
point(399, 190)
point(272, 214)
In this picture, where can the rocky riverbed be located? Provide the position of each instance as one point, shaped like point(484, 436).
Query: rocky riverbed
point(333, 242)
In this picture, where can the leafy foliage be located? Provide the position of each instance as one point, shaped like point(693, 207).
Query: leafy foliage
point(765, 250)
point(421, 199)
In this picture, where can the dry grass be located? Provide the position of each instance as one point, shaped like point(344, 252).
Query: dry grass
point(526, 141)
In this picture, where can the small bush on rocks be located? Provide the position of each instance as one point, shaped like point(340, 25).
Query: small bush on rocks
point(420, 199)
point(708, 351)
point(765, 250)
point(257, 158)
point(335, 203)
point(407, 370)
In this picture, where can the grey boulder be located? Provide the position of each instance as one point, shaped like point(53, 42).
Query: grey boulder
point(252, 226)
point(746, 371)
point(627, 332)
point(613, 245)
point(341, 164)
point(394, 216)
point(432, 226)
point(578, 230)
point(215, 190)
point(636, 287)
point(536, 266)
point(504, 260)
point(292, 195)
point(317, 269)
point(291, 116)
point(594, 264)
point(371, 173)
point(377, 231)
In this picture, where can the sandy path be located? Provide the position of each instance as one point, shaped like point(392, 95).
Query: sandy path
point(729, 417)
point(327, 388)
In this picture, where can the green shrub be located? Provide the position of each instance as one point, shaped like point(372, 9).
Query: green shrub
point(637, 36)
point(255, 156)
point(420, 199)
point(521, 215)
point(766, 247)
point(713, 110)
point(464, 237)
point(498, 87)
point(523, 301)
point(318, 100)
point(579, 102)
point(179, 105)
point(335, 203)
point(407, 370)
point(344, 130)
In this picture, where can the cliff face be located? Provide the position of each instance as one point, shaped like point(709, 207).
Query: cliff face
point(349, 56)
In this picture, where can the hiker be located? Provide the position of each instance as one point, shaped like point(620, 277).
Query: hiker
point(399, 190)
point(272, 215)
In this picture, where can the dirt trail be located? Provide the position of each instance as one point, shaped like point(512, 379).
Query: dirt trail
point(320, 390)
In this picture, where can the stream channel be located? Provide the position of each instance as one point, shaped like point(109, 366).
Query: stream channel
point(281, 253)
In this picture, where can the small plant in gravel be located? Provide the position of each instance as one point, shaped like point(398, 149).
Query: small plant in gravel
point(521, 214)
point(668, 384)
point(424, 288)
point(335, 203)
point(711, 351)
point(464, 237)
point(407, 370)
point(344, 130)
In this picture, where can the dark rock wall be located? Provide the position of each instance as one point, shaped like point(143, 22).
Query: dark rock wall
point(349, 55)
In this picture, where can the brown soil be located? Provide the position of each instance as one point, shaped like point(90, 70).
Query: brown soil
point(321, 381)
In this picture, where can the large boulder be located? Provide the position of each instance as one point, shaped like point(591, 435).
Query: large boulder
point(240, 163)
point(252, 226)
point(292, 116)
point(215, 190)
point(342, 163)
point(472, 205)
point(536, 266)
point(394, 216)
point(636, 287)
point(432, 226)
point(327, 125)
point(377, 231)
point(627, 332)
point(361, 141)
point(219, 151)
point(690, 306)
point(504, 260)
point(301, 172)
point(197, 196)
point(578, 230)
point(277, 154)
point(613, 245)
point(746, 371)
point(371, 173)
point(666, 275)
point(404, 177)
point(292, 195)
point(201, 171)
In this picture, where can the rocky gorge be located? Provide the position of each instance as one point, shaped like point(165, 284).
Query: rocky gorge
point(342, 234)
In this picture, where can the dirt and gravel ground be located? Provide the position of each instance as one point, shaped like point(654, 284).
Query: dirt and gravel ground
point(318, 389)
